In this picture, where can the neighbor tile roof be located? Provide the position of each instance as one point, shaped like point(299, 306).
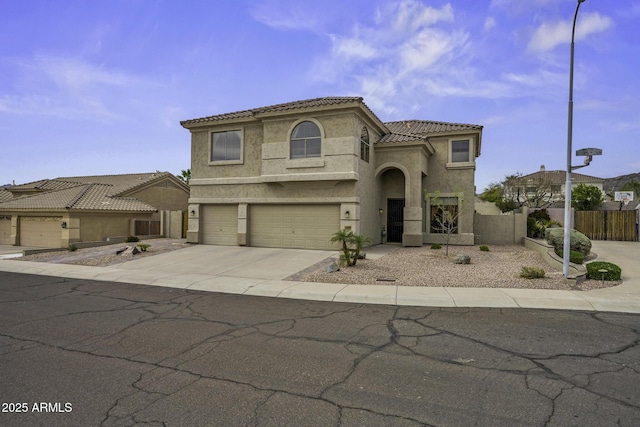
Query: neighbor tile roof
point(100, 192)
point(410, 130)
point(288, 106)
point(559, 177)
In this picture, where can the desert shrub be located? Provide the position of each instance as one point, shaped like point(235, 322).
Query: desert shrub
point(144, 246)
point(72, 248)
point(436, 246)
point(613, 271)
point(538, 222)
point(532, 273)
point(133, 239)
point(484, 248)
point(579, 242)
point(574, 256)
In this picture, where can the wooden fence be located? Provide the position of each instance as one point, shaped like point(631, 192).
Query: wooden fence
point(147, 228)
point(607, 225)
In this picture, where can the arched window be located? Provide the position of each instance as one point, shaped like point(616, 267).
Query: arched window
point(365, 147)
point(305, 141)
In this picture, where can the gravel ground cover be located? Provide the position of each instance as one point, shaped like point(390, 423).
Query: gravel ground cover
point(423, 266)
point(102, 256)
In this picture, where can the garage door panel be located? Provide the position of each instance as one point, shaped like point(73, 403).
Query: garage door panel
point(5, 230)
point(294, 226)
point(220, 225)
point(45, 232)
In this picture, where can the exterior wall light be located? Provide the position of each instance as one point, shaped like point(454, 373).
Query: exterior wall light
point(380, 211)
point(346, 214)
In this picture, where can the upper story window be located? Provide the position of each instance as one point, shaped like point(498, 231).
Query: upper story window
point(226, 146)
point(305, 141)
point(365, 147)
point(461, 153)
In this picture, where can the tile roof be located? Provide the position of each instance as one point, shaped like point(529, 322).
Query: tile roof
point(410, 130)
point(328, 101)
point(559, 177)
point(5, 195)
point(100, 192)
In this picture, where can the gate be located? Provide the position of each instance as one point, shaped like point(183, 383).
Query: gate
point(607, 225)
point(395, 220)
point(146, 228)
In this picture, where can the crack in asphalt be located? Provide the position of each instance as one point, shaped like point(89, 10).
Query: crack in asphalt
point(399, 332)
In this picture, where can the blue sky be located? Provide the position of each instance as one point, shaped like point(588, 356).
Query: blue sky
point(99, 87)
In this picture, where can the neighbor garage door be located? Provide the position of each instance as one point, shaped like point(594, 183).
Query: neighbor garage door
point(294, 226)
point(44, 232)
point(220, 225)
point(5, 230)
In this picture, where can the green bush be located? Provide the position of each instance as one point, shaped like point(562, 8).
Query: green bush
point(532, 273)
point(144, 246)
point(574, 256)
point(133, 239)
point(484, 248)
point(436, 246)
point(72, 248)
point(579, 242)
point(613, 271)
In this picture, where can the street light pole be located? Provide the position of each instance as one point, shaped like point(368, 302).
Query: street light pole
point(567, 190)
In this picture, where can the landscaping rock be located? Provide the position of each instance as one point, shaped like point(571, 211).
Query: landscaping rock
point(129, 251)
point(332, 268)
point(462, 259)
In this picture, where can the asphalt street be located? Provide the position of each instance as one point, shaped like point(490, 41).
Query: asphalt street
point(88, 353)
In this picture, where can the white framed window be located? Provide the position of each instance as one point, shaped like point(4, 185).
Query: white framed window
point(305, 141)
point(461, 153)
point(365, 146)
point(226, 147)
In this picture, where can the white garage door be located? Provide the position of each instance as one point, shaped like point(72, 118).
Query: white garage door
point(5, 230)
point(220, 225)
point(43, 232)
point(294, 226)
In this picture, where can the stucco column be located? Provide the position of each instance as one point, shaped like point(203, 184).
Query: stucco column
point(193, 230)
point(242, 224)
point(412, 225)
point(350, 217)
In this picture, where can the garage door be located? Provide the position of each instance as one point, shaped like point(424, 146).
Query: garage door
point(43, 232)
point(294, 226)
point(5, 230)
point(220, 225)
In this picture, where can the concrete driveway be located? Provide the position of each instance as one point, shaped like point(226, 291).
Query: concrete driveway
point(231, 261)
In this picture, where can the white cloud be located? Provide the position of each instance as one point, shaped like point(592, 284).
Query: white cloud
point(489, 23)
point(431, 46)
point(68, 88)
point(550, 34)
point(411, 15)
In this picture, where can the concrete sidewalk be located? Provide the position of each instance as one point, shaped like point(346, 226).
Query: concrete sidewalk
point(260, 272)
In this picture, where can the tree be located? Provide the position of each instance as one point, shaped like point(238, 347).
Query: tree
point(445, 212)
point(352, 244)
point(185, 175)
point(586, 197)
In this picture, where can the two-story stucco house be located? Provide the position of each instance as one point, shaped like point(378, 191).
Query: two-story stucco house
point(291, 175)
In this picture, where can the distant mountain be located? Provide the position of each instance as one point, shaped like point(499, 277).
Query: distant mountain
point(614, 184)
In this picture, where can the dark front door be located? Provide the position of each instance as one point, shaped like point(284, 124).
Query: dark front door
point(395, 220)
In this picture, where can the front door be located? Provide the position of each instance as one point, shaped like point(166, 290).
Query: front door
point(395, 220)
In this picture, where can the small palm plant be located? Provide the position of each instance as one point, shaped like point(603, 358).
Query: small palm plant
point(352, 244)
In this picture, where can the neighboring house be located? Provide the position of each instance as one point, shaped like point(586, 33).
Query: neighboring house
point(54, 213)
point(545, 187)
point(291, 175)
